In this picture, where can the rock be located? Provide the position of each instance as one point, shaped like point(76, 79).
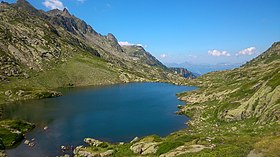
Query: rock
point(184, 149)
point(31, 144)
point(136, 139)
point(2, 153)
point(144, 148)
point(254, 153)
point(8, 93)
point(121, 143)
point(92, 142)
point(234, 128)
point(107, 153)
point(45, 128)
point(88, 154)
point(77, 149)
point(26, 142)
point(63, 148)
point(20, 93)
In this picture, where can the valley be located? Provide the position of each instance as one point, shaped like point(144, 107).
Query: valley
point(43, 54)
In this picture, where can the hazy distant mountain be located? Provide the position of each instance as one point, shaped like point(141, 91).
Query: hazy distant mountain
point(183, 72)
point(201, 69)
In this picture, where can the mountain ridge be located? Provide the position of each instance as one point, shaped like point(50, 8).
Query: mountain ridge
point(50, 39)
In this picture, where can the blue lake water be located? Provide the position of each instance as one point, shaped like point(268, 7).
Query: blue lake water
point(114, 113)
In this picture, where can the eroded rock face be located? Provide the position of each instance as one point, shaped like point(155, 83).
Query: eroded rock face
point(259, 105)
point(144, 148)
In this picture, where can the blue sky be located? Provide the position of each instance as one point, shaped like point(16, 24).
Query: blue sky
point(198, 31)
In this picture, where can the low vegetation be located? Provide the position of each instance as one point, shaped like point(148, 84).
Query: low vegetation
point(12, 132)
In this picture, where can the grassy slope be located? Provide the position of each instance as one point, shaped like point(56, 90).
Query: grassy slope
point(80, 70)
point(12, 131)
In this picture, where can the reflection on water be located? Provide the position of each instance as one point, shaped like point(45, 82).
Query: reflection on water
point(111, 113)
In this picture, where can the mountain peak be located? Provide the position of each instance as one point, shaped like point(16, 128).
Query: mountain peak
point(56, 12)
point(22, 1)
point(25, 5)
point(111, 37)
point(65, 12)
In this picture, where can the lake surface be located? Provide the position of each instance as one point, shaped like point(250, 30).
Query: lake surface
point(114, 113)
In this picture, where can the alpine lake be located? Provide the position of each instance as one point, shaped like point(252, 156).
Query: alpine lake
point(115, 113)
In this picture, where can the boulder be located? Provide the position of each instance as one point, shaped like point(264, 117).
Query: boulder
point(144, 148)
point(8, 93)
point(185, 149)
point(136, 139)
point(92, 142)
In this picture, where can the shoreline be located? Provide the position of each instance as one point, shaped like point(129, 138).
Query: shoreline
point(92, 86)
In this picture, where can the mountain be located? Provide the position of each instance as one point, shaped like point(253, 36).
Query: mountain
point(233, 113)
point(201, 69)
point(183, 72)
point(41, 51)
point(139, 54)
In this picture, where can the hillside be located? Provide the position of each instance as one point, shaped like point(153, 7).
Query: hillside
point(234, 113)
point(41, 51)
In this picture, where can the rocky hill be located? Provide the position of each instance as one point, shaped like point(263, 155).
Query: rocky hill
point(243, 102)
point(183, 72)
point(41, 51)
point(252, 91)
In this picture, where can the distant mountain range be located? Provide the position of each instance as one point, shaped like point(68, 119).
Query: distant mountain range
point(200, 69)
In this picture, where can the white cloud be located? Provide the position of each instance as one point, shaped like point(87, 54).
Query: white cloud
point(54, 4)
point(248, 51)
point(218, 53)
point(126, 43)
point(163, 55)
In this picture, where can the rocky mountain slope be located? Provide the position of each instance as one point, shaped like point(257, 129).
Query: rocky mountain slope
point(183, 72)
point(41, 51)
point(234, 113)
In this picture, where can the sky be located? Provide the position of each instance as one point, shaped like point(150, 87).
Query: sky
point(177, 31)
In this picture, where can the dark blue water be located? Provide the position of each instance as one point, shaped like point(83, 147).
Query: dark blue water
point(115, 113)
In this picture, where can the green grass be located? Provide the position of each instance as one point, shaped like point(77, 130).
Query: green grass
point(167, 146)
point(8, 134)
